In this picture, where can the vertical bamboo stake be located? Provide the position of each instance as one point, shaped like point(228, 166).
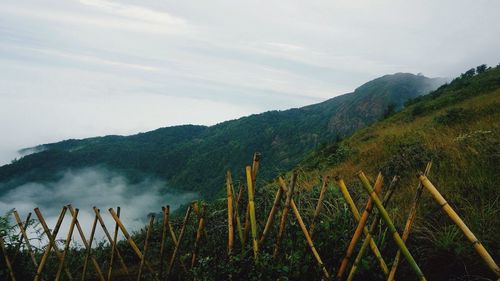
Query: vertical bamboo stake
point(305, 232)
point(359, 229)
point(20, 242)
point(319, 205)
point(113, 246)
point(52, 241)
point(131, 242)
point(392, 228)
point(172, 233)
point(110, 239)
point(236, 217)
point(7, 261)
point(85, 244)
point(237, 214)
point(145, 249)
point(66, 245)
point(230, 230)
point(251, 205)
point(199, 232)
point(88, 252)
point(355, 212)
point(254, 170)
point(176, 249)
point(166, 214)
point(409, 222)
point(284, 213)
point(460, 224)
point(270, 218)
point(372, 228)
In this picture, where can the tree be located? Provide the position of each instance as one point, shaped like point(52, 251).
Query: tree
point(469, 73)
point(481, 68)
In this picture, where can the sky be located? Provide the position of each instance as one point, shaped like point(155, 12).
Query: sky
point(81, 68)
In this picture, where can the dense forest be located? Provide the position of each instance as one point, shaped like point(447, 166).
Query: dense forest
point(194, 158)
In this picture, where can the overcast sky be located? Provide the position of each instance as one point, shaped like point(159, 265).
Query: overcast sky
point(78, 68)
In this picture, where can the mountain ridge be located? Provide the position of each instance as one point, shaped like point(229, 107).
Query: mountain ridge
point(192, 157)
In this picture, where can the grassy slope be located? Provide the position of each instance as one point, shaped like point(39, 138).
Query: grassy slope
point(456, 127)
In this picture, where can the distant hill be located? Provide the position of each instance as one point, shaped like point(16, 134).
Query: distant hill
point(194, 157)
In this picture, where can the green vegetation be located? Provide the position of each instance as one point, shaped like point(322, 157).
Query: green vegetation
point(195, 158)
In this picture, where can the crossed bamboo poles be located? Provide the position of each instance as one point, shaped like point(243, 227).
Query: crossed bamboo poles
point(144, 264)
point(373, 201)
point(284, 190)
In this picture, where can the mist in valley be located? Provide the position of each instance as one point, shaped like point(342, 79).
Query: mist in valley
point(84, 189)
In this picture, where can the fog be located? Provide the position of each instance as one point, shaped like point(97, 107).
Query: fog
point(90, 187)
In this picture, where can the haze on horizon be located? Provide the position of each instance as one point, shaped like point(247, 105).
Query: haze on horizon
point(80, 68)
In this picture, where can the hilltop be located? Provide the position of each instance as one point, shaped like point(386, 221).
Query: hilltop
point(194, 158)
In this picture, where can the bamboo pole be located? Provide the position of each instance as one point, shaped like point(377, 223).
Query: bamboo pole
point(359, 229)
point(319, 205)
point(6, 259)
point(270, 217)
point(88, 252)
point(20, 239)
point(166, 214)
point(409, 222)
point(284, 213)
point(392, 228)
point(303, 227)
point(460, 224)
point(113, 246)
point(85, 244)
point(230, 230)
point(373, 226)
point(145, 249)
point(66, 245)
point(254, 170)
point(355, 212)
point(237, 214)
point(22, 230)
point(52, 242)
point(172, 233)
point(199, 232)
point(251, 205)
point(110, 239)
point(177, 245)
point(131, 242)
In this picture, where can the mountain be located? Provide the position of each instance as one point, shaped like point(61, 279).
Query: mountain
point(194, 157)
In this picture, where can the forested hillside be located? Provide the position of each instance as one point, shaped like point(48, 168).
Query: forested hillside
point(194, 157)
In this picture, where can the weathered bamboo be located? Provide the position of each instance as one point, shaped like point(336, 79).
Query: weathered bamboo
point(409, 222)
point(230, 230)
point(251, 205)
point(166, 214)
point(303, 227)
point(110, 239)
point(52, 242)
point(270, 217)
point(355, 212)
point(85, 244)
point(145, 249)
point(88, 252)
point(319, 205)
point(6, 259)
point(66, 245)
point(177, 245)
point(236, 208)
point(172, 233)
point(254, 170)
point(131, 242)
point(113, 246)
point(21, 226)
point(373, 226)
point(392, 228)
point(359, 229)
point(284, 213)
point(460, 224)
point(199, 232)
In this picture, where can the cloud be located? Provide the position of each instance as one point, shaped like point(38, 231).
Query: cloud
point(90, 187)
